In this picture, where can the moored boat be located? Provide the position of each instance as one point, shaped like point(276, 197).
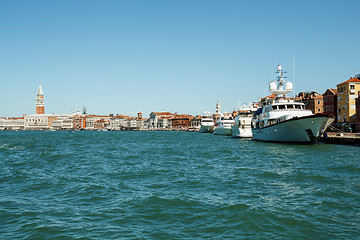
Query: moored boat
point(286, 120)
point(242, 126)
point(207, 125)
point(224, 126)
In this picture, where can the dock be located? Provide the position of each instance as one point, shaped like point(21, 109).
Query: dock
point(341, 138)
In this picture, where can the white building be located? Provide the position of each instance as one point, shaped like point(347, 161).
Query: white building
point(117, 123)
point(11, 123)
point(154, 119)
point(63, 122)
point(38, 121)
point(91, 120)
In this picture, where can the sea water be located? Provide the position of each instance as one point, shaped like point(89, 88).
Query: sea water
point(174, 185)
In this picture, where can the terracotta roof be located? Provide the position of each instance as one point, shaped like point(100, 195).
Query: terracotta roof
point(271, 96)
point(334, 90)
point(182, 116)
point(166, 117)
point(350, 80)
point(163, 113)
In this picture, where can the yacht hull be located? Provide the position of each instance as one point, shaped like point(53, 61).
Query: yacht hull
point(223, 130)
point(206, 129)
point(238, 132)
point(307, 130)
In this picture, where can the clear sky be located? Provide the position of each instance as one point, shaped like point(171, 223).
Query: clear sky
point(126, 56)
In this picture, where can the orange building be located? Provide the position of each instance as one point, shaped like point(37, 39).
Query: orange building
point(181, 121)
point(79, 122)
point(347, 92)
point(313, 101)
point(330, 102)
point(357, 103)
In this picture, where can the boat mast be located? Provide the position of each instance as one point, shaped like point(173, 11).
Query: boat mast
point(277, 86)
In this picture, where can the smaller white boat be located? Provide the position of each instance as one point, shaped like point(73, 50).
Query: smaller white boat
point(207, 125)
point(242, 126)
point(224, 127)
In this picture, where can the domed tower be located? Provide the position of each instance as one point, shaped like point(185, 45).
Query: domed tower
point(40, 101)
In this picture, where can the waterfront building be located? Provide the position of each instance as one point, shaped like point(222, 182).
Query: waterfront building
point(79, 122)
point(101, 124)
point(155, 116)
point(147, 123)
point(267, 100)
point(116, 124)
point(131, 124)
point(94, 122)
point(140, 121)
point(62, 122)
point(196, 121)
point(38, 121)
point(120, 122)
point(330, 102)
point(10, 123)
point(40, 101)
point(313, 101)
point(357, 103)
point(165, 122)
point(3, 123)
point(347, 92)
point(181, 121)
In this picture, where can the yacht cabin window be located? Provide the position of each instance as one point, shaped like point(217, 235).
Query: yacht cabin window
point(281, 107)
point(297, 106)
point(275, 107)
point(290, 106)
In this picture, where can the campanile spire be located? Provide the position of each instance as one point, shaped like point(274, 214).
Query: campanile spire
point(40, 101)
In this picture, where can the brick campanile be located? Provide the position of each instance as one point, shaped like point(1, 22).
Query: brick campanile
point(40, 101)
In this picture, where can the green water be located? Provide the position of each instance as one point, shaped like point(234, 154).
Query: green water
point(174, 185)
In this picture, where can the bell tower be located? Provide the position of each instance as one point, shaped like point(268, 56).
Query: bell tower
point(218, 108)
point(40, 101)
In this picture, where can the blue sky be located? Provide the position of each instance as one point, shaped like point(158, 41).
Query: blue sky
point(178, 56)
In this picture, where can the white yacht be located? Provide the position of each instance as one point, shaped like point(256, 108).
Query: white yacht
point(207, 124)
point(242, 126)
point(286, 120)
point(224, 126)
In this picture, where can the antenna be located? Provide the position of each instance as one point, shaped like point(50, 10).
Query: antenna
point(356, 72)
point(294, 70)
point(264, 81)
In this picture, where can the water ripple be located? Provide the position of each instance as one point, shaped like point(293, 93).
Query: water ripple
point(174, 185)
